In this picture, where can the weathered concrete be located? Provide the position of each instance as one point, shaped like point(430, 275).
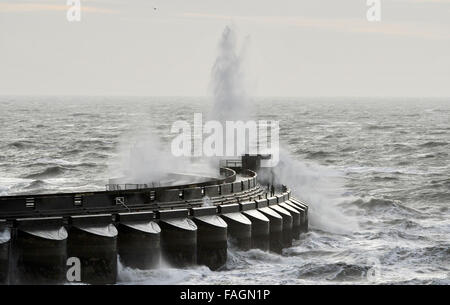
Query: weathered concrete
point(138, 242)
point(248, 205)
point(5, 242)
point(296, 219)
point(239, 229)
point(226, 188)
point(304, 212)
point(168, 195)
point(229, 208)
point(39, 251)
point(192, 193)
point(262, 203)
point(244, 185)
point(93, 240)
point(260, 229)
point(303, 215)
point(276, 229)
point(211, 241)
point(237, 187)
point(272, 200)
point(287, 224)
point(212, 191)
point(179, 241)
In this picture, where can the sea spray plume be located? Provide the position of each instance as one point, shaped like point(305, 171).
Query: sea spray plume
point(228, 85)
point(228, 81)
point(4, 190)
point(231, 103)
point(143, 158)
point(207, 202)
point(5, 235)
point(321, 188)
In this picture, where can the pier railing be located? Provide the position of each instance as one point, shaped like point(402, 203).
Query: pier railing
point(228, 175)
point(130, 186)
point(231, 163)
point(132, 196)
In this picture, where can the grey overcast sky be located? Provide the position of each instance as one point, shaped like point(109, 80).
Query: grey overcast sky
point(297, 47)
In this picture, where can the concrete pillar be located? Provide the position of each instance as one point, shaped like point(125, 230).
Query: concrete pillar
point(260, 229)
point(179, 241)
point(239, 226)
point(5, 237)
point(239, 229)
point(138, 242)
point(211, 241)
point(93, 240)
point(303, 211)
point(296, 219)
point(287, 224)
point(39, 251)
point(276, 229)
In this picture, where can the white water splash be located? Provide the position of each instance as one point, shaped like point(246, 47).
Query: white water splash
point(316, 184)
point(321, 188)
point(228, 83)
point(145, 159)
point(206, 202)
point(5, 235)
point(142, 159)
point(164, 275)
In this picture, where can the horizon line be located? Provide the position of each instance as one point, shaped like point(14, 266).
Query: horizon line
point(209, 97)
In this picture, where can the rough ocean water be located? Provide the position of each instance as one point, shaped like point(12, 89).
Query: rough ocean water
point(376, 173)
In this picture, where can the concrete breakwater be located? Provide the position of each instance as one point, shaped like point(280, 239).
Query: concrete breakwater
point(45, 239)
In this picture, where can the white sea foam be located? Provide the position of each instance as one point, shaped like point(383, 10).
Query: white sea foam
point(5, 235)
point(321, 188)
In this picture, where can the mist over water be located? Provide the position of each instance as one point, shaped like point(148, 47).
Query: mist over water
point(323, 188)
point(143, 159)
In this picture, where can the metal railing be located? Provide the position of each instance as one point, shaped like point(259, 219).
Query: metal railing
point(231, 163)
point(228, 175)
point(130, 186)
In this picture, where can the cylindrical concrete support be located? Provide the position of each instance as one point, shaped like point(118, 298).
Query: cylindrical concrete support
point(303, 212)
point(5, 238)
point(139, 244)
point(276, 229)
point(179, 241)
point(260, 229)
point(94, 242)
point(211, 241)
point(287, 224)
point(296, 219)
point(303, 215)
point(39, 254)
point(239, 229)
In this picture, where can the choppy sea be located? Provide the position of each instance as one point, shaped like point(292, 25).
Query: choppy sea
point(376, 173)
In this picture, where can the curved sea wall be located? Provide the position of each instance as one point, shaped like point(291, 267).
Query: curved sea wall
point(39, 238)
